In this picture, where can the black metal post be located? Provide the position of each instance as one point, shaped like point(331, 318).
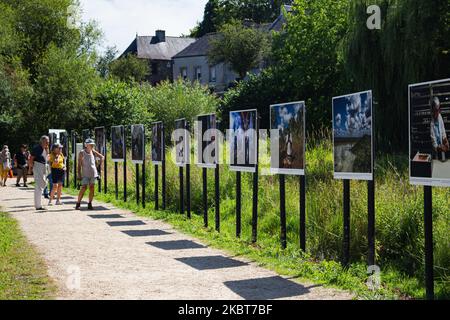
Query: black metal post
point(75, 177)
point(371, 222)
point(156, 188)
point(116, 179)
point(181, 190)
point(205, 196)
point(428, 228)
point(100, 177)
point(346, 240)
point(255, 207)
point(163, 171)
point(105, 171)
point(138, 200)
point(217, 199)
point(124, 169)
point(303, 213)
point(238, 204)
point(188, 190)
point(283, 211)
point(143, 183)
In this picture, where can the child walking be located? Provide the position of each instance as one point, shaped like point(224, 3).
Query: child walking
point(5, 165)
point(58, 167)
point(87, 171)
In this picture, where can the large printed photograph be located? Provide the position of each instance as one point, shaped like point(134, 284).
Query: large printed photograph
point(157, 143)
point(207, 142)
point(118, 143)
point(287, 124)
point(137, 144)
point(181, 143)
point(100, 141)
point(353, 136)
point(429, 132)
point(243, 140)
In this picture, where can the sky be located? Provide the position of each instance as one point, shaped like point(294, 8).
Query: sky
point(120, 20)
point(353, 114)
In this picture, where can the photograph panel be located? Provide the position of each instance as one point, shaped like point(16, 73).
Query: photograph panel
point(118, 143)
point(157, 143)
point(207, 144)
point(288, 146)
point(137, 144)
point(243, 140)
point(429, 132)
point(353, 136)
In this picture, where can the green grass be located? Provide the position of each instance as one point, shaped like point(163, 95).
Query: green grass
point(399, 223)
point(23, 274)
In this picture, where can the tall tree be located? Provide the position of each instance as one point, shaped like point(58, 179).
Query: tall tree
point(130, 68)
point(412, 46)
point(243, 48)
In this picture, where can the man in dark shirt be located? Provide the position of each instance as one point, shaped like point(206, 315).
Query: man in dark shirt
point(21, 163)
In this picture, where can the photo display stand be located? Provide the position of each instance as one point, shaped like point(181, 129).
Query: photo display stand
point(100, 146)
point(353, 148)
point(205, 139)
point(241, 122)
point(288, 149)
point(429, 164)
point(182, 152)
point(158, 159)
point(138, 158)
point(163, 168)
point(118, 150)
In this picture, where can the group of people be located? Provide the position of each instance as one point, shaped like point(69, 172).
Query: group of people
point(19, 161)
point(48, 164)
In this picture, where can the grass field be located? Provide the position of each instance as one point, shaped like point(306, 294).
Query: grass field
point(399, 223)
point(23, 274)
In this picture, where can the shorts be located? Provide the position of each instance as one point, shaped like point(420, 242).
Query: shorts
point(88, 181)
point(57, 176)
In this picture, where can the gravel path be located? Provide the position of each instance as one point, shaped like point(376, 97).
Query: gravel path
point(112, 254)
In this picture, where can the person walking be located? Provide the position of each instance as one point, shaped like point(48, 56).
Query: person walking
point(5, 163)
point(21, 162)
point(58, 168)
point(38, 164)
point(87, 171)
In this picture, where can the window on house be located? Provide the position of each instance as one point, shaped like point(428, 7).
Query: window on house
point(183, 73)
point(198, 73)
point(212, 74)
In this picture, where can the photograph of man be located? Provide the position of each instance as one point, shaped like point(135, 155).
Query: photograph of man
point(439, 137)
point(243, 140)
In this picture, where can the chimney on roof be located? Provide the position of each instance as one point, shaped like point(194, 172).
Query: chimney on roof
point(161, 35)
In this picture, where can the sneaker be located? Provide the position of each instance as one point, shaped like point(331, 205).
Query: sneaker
point(58, 203)
point(50, 203)
point(77, 206)
point(90, 207)
point(46, 196)
point(25, 185)
point(41, 209)
point(17, 185)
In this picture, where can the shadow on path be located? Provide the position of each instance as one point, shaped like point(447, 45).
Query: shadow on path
point(125, 223)
point(176, 245)
point(266, 288)
point(211, 262)
point(145, 233)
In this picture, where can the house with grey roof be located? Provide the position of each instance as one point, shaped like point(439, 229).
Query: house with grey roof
point(158, 50)
point(192, 63)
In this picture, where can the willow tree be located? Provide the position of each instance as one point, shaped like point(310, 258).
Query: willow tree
point(412, 46)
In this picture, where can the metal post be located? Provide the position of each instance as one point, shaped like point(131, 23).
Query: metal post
point(143, 183)
point(238, 204)
point(371, 222)
point(188, 190)
point(105, 171)
point(124, 168)
point(156, 188)
point(283, 211)
point(428, 228)
point(205, 196)
point(303, 213)
point(163, 171)
point(181, 190)
point(116, 179)
point(346, 240)
point(217, 198)
point(138, 200)
point(255, 206)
